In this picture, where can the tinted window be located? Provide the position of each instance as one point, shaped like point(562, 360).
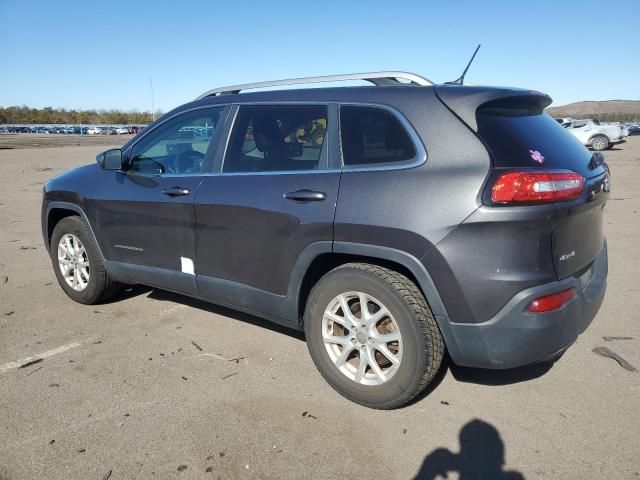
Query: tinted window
point(373, 136)
point(269, 138)
point(514, 140)
point(177, 147)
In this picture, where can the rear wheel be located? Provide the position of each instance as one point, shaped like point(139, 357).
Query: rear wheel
point(600, 143)
point(372, 335)
point(77, 263)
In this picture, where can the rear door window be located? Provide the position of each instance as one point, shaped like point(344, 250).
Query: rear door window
point(276, 138)
point(373, 136)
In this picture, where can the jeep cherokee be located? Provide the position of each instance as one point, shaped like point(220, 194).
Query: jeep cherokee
point(390, 222)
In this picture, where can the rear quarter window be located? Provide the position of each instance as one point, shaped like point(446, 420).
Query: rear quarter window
point(372, 136)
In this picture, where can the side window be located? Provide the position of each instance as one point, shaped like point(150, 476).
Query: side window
point(372, 136)
point(268, 138)
point(177, 147)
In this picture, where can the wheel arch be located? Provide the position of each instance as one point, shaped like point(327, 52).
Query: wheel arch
point(55, 212)
point(402, 262)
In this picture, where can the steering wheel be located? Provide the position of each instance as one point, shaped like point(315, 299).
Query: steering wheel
point(190, 162)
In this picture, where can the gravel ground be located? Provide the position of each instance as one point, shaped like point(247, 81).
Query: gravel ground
point(156, 385)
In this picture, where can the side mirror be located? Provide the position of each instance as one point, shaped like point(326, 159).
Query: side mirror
point(110, 159)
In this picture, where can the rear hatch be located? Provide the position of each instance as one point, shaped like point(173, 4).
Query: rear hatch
point(521, 137)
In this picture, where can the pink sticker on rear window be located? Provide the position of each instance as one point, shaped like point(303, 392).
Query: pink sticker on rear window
point(536, 156)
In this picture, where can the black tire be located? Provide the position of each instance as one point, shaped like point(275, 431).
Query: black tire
point(599, 143)
point(100, 287)
point(423, 347)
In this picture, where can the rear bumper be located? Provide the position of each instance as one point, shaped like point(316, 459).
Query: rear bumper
point(515, 337)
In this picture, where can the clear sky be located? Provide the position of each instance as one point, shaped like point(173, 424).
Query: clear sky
point(101, 53)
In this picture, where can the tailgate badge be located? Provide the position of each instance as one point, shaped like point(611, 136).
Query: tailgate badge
point(567, 256)
point(536, 156)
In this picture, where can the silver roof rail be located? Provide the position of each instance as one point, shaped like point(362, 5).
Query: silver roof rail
point(377, 78)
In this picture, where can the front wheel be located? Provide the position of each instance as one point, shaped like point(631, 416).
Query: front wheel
point(77, 263)
point(372, 335)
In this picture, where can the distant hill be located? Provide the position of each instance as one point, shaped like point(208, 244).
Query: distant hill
point(607, 110)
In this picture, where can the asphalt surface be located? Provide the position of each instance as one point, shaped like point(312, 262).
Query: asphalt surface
point(155, 385)
point(10, 141)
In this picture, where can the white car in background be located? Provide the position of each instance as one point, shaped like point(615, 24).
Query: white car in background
point(94, 131)
point(594, 135)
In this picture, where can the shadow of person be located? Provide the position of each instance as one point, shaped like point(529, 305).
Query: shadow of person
point(481, 457)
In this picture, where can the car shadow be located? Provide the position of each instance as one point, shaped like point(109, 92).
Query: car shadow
point(165, 296)
point(510, 376)
point(462, 374)
point(481, 456)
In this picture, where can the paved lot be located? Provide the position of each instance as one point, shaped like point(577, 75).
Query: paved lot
point(9, 141)
point(155, 385)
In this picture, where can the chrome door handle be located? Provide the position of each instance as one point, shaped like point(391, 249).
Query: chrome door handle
point(176, 191)
point(305, 195)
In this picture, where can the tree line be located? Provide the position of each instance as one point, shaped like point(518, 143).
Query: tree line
point(615, 117)
point(601, 117)
point(49, 115)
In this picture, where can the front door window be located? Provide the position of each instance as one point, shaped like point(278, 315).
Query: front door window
point(179, 147)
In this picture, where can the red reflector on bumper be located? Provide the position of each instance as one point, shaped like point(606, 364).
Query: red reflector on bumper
point(551, 302)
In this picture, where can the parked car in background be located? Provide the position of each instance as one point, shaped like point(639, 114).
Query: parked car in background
point(94, 131)
point(594, 135)
point(121, 130)
point(634, 130)
point(625, 130)
point(563, 120)
point(490, 249)
point(22, 129)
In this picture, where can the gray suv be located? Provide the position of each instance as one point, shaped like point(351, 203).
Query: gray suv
point(392, 223)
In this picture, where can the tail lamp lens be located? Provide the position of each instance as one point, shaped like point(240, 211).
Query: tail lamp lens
point(551, 302)
point(537, 187)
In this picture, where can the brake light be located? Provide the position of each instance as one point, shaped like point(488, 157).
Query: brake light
point(551, 302)
point(537, 187)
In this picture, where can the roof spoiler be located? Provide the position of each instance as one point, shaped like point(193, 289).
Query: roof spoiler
point(464, 101)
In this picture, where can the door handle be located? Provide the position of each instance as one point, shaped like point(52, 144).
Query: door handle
point(305, 195)
point(176, 191)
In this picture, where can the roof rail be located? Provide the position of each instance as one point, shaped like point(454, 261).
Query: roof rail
point(377, 78)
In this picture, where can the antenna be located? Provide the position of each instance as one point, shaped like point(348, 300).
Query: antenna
point(460, 80)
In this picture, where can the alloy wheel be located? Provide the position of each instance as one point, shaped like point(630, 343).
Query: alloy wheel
point(362, 338)
point(73, 262)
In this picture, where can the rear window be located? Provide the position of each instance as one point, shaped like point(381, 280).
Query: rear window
point(373, 136)
point(519, 140)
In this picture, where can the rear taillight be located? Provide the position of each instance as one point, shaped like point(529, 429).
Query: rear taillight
point(550, 302)
point(537, 187)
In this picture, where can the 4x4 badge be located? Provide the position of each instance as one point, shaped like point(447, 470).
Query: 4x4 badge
point(567, 256)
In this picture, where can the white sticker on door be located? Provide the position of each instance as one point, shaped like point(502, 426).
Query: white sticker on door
point(187, 265)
